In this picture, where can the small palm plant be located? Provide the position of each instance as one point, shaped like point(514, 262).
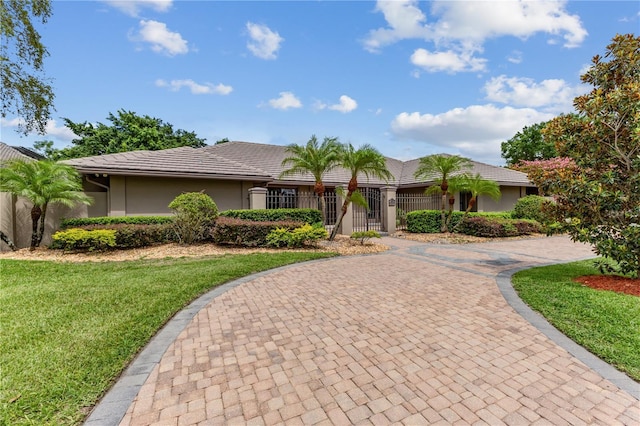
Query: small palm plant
point(477, 185)
point(315, 158)
point(365, 160)
point(440, 168)
point(42, 183)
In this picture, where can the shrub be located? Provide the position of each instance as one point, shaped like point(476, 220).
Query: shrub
point(298, 237)
point(81, 222)
point(364, 236)
point(310, 216)
point(76, 239)
point(195, 215)
point(247, 232)
point(493, 227)
point(429, 221)
point(135, 236)
point(530, 207)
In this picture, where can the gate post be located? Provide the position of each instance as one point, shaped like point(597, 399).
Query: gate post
point(346, 227)
point(388, 202)
point(257, 198)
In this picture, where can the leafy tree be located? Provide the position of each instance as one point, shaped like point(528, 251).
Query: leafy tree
point(528, 145)
point(440, 169)
point(365, 160)
point(314, 158)
point(42, 183)
point(598, 201)
point(127, 132)
point(25, 91)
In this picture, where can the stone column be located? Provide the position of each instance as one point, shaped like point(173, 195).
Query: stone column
point(388, 201)
point(257, 198)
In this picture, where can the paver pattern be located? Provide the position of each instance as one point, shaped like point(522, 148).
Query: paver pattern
point(417, 335)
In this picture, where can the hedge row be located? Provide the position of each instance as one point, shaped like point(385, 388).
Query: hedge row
point(430, 221)
point(90, 237)
point(248, 233)
point(309, 216)
point(493, 227)
point(115, 220)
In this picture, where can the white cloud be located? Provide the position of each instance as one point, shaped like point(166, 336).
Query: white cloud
point(458, 29)
point(405, 20)
point(553, 94)
point(515, 57)
point(285, 101)
point(264, 43)
point(195, 88)
point(475, 131)
point(162, 40)
point(52, 129)
point(448, 61)
point(133, 7)
point(346, 105)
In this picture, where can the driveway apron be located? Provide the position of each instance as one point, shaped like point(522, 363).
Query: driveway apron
point(421, 334)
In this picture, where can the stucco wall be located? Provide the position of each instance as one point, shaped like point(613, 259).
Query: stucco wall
point(510, 194)
point(132, 195)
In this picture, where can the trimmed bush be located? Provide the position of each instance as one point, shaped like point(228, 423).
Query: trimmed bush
point(298, 237)
point(81, 222)
point(76, 239)
point(531, 207)
point(429, 221)
point(364, 236)
point(195, 216)
point(493, 227)
point(247, 232)
point(310, 216)
point(136, 236)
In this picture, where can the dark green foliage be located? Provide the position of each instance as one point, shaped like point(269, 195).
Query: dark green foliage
point(429, 221)
point(26, 92)
point(298, 237)
point(113, 220)
point(310, 216)
point(364, 236)
point(531, 207)
point(127, 132)
point(195, 215)
point(528, 145)
point(76, 239)
point(493, 227)
point(247, 233)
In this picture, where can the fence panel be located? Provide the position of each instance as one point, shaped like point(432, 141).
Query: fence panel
point(281, 198)
point(368, 219)
point(406, 203)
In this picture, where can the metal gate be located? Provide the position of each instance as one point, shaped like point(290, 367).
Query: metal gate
point(368, 219)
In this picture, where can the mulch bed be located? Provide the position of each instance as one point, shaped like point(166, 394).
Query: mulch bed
point(611, 282)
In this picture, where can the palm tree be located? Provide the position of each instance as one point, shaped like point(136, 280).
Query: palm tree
point(313, 158)
point(365, 160)
point(440, 168)
point(42, 183)
point(477, 185)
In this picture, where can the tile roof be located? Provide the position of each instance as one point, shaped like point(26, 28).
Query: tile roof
point(8, 153)
point(258, 162)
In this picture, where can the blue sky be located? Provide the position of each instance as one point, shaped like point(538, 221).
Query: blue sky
point(410, 78)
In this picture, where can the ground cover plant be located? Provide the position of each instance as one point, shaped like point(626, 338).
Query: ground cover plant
point(604, 322)
point(69, 329)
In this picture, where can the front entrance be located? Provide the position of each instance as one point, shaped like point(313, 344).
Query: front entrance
point(368, 219)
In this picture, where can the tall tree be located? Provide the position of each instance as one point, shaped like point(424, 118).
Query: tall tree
point(365, 160)
point(42, 183)
point(25, 92)
point(440, 168)
point(314, 158)
point(599, 200)
point(127, 132)
point(528, 144)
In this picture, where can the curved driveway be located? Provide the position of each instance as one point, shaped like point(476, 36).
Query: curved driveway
point(420, 334)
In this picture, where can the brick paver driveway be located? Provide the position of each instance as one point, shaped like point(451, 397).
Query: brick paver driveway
point(417, 335)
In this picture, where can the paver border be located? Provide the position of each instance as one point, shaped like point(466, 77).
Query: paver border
point(615, 376)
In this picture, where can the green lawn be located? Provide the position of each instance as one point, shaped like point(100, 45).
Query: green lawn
point(604, 322)
point(68, 329)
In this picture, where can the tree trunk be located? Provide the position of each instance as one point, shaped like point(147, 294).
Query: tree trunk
point(4, 237)
point(470, 205)
point(42, 224)
point(443, 215)
point(343, 212)
point(36, 212)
